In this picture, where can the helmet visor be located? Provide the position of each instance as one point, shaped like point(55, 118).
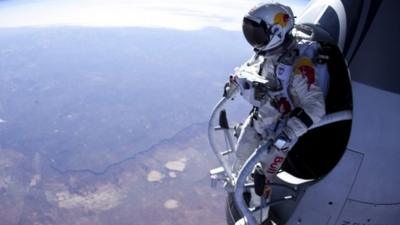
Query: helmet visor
point(256, 33)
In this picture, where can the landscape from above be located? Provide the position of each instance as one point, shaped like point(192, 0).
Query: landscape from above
point(108, 125)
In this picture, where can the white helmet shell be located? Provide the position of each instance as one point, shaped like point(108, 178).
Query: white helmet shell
point(266, 25)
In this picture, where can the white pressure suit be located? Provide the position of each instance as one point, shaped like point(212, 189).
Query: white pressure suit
point(287, 91)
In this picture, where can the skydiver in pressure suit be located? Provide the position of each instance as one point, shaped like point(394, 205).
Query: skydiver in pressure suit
point(286, 86)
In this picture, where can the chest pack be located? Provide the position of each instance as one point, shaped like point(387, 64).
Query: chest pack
point(281, 71)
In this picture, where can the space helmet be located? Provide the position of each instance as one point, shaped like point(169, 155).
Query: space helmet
point(267, 26)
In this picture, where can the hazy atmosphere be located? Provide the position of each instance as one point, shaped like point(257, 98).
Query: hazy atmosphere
point(103, 109)
point(187, 15)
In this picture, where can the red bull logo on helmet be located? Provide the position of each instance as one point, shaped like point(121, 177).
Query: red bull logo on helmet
point(281, 19)
point(305, 67)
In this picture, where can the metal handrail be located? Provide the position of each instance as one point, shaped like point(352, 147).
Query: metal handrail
point(211, 138)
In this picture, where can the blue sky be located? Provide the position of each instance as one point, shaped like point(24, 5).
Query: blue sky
point(186, 15)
